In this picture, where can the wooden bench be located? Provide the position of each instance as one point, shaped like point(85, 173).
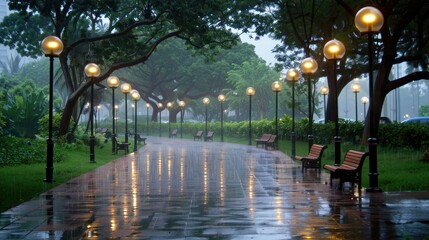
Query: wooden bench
point(198, 135)
point(313, 158)
point(121, 145)
point(263, 139)
point(209, 136)
point(173, 133)
point(350, 170)
point(141, 139)
point(271, 142)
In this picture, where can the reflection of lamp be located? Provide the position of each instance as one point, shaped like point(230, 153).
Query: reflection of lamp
point(113, 82)
point(136, 97)
point(92, 70)
point(206, 102)
point(364, 101)
point(293, 75)
point(116, 117)
point(126, 88)
point(369, 21)
point(221, 99)
point(160, 106)
point(250, 91)
point(309, 66)
point(333, 51)
point(51, 47)
point(356, 90)
point(181, 105)
point(277, 87)
point(324, 91)
point(169, 107)
point(147, 118)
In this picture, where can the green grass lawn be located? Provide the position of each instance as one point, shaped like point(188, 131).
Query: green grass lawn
point(399, 169)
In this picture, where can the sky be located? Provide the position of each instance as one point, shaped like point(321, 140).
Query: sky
point(263, 47)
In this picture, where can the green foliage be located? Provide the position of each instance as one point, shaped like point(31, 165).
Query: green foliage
point(424, 110)
point(44, 124)
point(15, 151)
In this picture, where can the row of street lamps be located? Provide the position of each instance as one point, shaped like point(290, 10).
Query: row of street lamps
point(368, 21)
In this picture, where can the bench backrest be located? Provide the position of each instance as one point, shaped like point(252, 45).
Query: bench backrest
point(174, 132)
point(265, 136)
point(316, 151)
point(210, 134)
point(354, 160)
point(199, 134)
point(272, 139)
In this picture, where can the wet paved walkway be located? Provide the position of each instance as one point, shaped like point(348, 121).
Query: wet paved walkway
point(181, 189)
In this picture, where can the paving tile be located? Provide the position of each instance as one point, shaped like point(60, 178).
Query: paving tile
point(181, 189)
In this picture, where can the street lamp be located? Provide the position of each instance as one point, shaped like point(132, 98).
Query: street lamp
point(250, 91)
point(125, 89)
point(206, 102)
point(147, 118)
point(136, 97)
point(333, 51)
point(293, 75)
point(356, 90)
point(160, 106)
point(221, 99)
point(369, 21)
point(309, 66)
point(324, 91)
point(277, 87)
point(52, 47)
point(113, 82)
point(181, 105)
point(169, 107)
point(92, 70)
point(364, 101)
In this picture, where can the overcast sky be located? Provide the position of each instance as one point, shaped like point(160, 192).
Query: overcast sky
point(263, 47)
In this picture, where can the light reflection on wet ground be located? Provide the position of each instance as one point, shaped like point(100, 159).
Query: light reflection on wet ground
point(176, 189)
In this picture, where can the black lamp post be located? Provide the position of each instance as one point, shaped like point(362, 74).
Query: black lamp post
point(160, 106)
point(181, 105)
point(324, 91)
point(147, 118)
point(221, 99)
point(206, 102)
point(125, 89)
point(113, 82)
point(277, 87)
point(333, 51)
point(92, 70)
point(52, 47)
point(369, 21)
point(250, 91)
point(169, 107)
point(136, 97)
point(364, 101)
point(293, 75)
point(356, 90)
point(308, 67)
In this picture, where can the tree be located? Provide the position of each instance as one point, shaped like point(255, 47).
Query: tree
point(117, 34)
point(11, 66)
point(305, 26)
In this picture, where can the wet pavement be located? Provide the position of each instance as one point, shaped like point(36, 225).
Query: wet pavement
point(181, 189)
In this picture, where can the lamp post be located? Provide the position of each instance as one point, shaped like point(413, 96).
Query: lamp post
point(136, 97)
point(52, 47)
point(169, 107)
point(364, 101)
point(250, 91)
point(333, 51)
point(160, 106)
point(309, 66)
point(92, 70)
point(125, 89)
point(356, 90)
point(181, 105)
point(113, 82)
point(369, 21)
point(324, 91)
point(221, 99)
point(147, 118)
point(277, 87)
point(206, 102)
point(293, 75)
